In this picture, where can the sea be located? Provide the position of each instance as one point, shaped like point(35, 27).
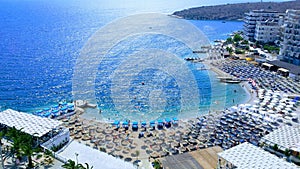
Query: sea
point(41, 40)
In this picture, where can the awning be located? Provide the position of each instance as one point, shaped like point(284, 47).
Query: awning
point(30, 124)
point(283, 70)
point(247, 155)
point(285, 136)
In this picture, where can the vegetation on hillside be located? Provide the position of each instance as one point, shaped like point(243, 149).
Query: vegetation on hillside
point(234, 11)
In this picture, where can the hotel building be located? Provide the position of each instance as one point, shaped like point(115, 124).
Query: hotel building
point(263, 20)
point(290, 46)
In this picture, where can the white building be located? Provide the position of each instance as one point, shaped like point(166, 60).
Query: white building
point(290, 46)
point(255, 16)
point(267, 31)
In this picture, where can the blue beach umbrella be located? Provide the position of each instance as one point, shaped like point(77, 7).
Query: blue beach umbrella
point(39, 112)
point(47, 114)
point(168, 120)
point(54, 111)
point(160, 121)
point(70, 105)
point(152, 123)
point(135, 125)
point(116, 122)
point(46, 109)
point(55, 106)
point(175, 118)
point(125, 123)
point(144, 123)
point(64, 108)
point(296, 99)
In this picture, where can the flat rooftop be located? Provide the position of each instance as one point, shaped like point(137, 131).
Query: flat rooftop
point(200, 159)
point(93, 157)
point(287, 137)
point(248, 156)
point(30, 124)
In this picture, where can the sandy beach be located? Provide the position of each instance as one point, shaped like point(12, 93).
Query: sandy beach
point(146, 144)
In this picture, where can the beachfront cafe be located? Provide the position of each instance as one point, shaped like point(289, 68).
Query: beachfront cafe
point(48, 132)
point(249, 156)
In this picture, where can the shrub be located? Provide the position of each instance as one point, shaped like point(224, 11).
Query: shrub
point(275, 147)
point(238, 51)
point(237, 38)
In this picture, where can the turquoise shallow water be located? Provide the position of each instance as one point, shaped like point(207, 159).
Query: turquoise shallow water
point(40, 42)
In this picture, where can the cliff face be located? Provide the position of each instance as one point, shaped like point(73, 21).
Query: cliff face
point(234, 11)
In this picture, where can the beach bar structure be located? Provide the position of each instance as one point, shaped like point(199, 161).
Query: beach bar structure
point(248, 156)
point(286, 138)
point(44, 129)
point(30, 124)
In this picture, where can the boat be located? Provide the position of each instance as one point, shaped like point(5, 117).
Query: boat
point(194, 59)
point(229, 80)
point(199, 51)
point(232, 81)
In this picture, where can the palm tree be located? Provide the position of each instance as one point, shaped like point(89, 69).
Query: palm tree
point(23, 144)
point(2, 134)
point(87, 166)
point(14, 135)
point(70, 164)
point(28, 147)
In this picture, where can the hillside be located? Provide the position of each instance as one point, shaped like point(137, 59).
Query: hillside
point(234, 11)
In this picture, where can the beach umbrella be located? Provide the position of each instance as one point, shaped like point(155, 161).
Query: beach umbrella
point(125, 123)
point(152, 123)
point(143, 124)
point(39, 112)
point(116, 122)
point(168, 120)
point(63, 108)
point(55, 106)
point(160, 121)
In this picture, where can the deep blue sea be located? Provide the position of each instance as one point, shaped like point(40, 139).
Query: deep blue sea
point(41, 40)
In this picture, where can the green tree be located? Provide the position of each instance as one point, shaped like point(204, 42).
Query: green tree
point(229, 49)
point(70, 164)
point(237, 38)
point(229, 40)
point(86, 166)
point(238, 51)
point(156, 165)
point(2, 134)
point(245, 42)
point(14, 135)
point(28, 148)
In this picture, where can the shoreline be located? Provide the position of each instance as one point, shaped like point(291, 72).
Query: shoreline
point(91, 115)
point(244, 85)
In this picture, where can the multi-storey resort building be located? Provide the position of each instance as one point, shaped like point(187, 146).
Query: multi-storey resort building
point(290, 46)
point(258, 18)
point(267, 31)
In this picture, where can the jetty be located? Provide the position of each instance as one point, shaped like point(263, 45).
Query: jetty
point(84, 104)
